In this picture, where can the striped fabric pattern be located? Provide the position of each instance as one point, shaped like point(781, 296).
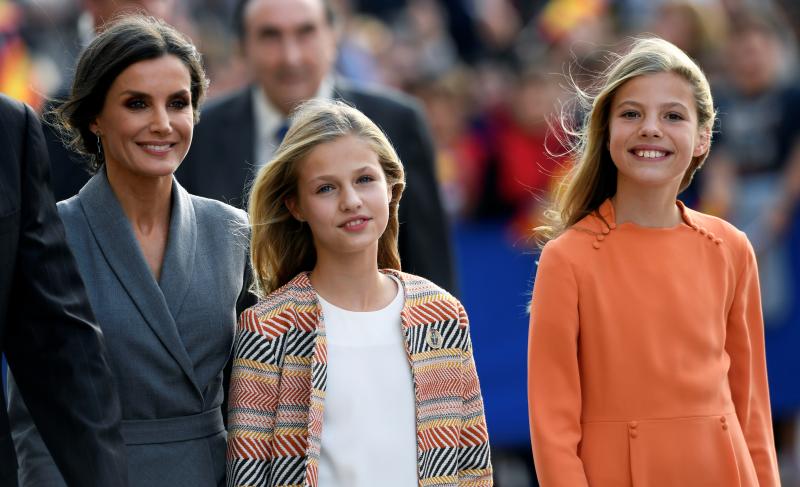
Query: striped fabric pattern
point(277, 392)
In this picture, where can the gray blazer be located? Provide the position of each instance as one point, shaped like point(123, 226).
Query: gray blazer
point(169, 341)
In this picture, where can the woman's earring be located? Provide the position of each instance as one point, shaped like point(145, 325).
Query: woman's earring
point(99, 146)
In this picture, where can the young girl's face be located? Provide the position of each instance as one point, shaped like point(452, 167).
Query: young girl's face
point(343, 196)
point(654, 132)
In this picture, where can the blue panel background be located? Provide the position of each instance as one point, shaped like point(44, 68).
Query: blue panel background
point(495, 279)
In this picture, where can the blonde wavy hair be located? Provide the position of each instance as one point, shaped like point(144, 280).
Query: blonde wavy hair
point(281, 246)
point(593, 178)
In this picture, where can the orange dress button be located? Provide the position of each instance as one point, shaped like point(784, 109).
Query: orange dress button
point(711, 236)
point(612, 225)
point(633, 424)
point(702, 231)
point(600, 237)
point(723, 419)
point(724, 426)
point(634, 434)
point(605, 231)
point(596, 245)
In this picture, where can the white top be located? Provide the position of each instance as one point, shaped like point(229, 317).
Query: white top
point(369, 425)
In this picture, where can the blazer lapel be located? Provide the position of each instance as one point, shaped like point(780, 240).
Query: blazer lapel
point(178, 267)
point(309, 319)
point(114, 236)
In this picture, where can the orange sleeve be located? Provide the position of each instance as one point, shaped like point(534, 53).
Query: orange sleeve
point(747, 374)
point(554, 385)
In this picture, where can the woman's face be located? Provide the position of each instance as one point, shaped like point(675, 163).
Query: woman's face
point(146, 122)
point(343, 196)
point(654, 131)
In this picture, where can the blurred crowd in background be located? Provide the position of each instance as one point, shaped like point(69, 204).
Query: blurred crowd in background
point(493, 76)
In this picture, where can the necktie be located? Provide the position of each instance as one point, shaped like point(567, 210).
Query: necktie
point(280, 133)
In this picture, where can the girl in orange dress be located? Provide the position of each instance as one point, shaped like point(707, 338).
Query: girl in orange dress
point(646, 353)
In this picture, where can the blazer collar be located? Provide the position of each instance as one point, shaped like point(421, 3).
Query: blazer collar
point(159, 305)
point(416, 291)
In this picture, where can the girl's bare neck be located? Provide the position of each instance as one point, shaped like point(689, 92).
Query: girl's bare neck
point(646, 207)
point(353, 285)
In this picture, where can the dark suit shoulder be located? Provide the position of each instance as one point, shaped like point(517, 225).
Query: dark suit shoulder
point(16, 120)
point(379, 100)
point(225, 106)
point(13, 111)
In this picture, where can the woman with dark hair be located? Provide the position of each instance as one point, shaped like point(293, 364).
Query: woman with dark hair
point(165, 273)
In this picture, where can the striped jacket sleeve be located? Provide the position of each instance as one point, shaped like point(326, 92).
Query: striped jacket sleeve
point(474, 459)
point(254, 391)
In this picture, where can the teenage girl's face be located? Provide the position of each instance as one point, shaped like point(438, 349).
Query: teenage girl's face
point(654, 132)
point(343, 196)
point(146, 122)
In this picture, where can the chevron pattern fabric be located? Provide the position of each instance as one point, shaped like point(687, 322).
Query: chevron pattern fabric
point(277, 392)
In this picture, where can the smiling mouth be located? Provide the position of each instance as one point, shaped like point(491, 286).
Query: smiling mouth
point(159, 148)
point(355, 223)
point(650, 154)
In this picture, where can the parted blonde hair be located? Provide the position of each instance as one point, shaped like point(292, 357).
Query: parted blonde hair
point(593, 178)
point(281, 246)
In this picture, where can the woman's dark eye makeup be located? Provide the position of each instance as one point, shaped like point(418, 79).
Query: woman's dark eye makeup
point(178, 103)
point(135, 103)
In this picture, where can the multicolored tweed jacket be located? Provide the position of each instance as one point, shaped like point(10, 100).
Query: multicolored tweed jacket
point(277, 393)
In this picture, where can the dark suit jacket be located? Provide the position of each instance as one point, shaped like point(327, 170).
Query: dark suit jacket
point(220, 165)
point(46, 324)
point(169, 340)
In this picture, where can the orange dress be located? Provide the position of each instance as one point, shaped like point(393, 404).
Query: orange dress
point(646, 359)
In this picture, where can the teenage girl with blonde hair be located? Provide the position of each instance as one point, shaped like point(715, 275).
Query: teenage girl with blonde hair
point(348, 372)
point(646, 352)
